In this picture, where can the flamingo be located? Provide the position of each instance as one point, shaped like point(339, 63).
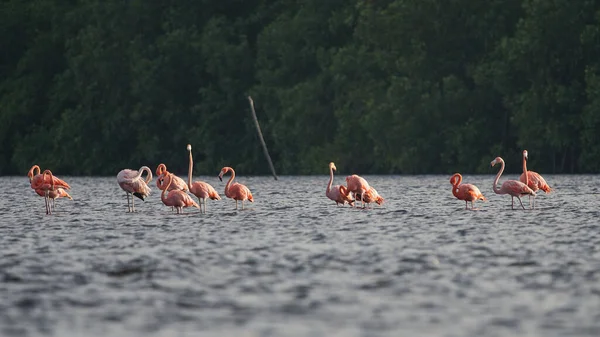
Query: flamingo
point(466, 192)
point(235, 191)
point(60, 185)
point(132, 183)
point(200, 189)
point(176, 198)
point(513, 187)
point(357, 185)
point(533, 179)
point(372, 196)
point(46, 185)
point(178, 183)
point(337, 193)
point(57, 193)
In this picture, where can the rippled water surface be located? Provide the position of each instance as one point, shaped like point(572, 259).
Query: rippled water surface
point(294, 264)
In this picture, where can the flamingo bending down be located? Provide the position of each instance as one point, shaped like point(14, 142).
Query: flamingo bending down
point(513, 187)
point(37, 179)
point(178, 183)
point(466, 192)
point(371, 196)
point(58, 192)
point(533, 179)
point(176, 198)
point(235, 191)
point(45, 184)
point(202, 190)
point(337, 193)
point(132, 183)
point(357, 185)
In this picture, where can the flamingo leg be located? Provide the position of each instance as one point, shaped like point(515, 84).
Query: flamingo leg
point(132, 203)
point(466, 205)
point(520, 202)
point(242, 203)
point(236, 206)
point(47, 201)
point(204, 201)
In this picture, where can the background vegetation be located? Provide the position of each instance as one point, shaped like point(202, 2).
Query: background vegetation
point(88, 87)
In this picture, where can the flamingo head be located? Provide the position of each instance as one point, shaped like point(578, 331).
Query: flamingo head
point(496, 161)
point(332, 166)
point(223, 171)
point(525, 154)
point(189, 147)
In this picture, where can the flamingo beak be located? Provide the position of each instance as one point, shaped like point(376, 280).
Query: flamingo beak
point(221, 179)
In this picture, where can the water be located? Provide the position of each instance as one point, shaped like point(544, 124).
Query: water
point(294, 264)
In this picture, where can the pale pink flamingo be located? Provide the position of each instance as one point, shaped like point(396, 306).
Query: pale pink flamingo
point(176, 198)
point(202, 190)
point(466, 192)
point(132, 183)
point(178, 183)
point(533, 179)
point(337, 193)
point(371, 196)
point(357, 185)
point(60, 185)
point(235, 191)
point(45, 184)
point(513, 187)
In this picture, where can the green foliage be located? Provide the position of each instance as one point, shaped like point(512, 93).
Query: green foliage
point(397, 86)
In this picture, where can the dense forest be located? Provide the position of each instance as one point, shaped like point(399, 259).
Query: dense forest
point(88, 87)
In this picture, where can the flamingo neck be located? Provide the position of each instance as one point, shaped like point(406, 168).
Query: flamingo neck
point(229, 181)
point(457, 183)
point(330, 179)
point(190, 166)
point(141, 171)
point(494, 186)
point(525, 171)
point(162, 195)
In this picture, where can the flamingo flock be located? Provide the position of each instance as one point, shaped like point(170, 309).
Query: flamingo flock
point(174, 190)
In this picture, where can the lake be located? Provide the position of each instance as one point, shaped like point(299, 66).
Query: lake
point(295, 264)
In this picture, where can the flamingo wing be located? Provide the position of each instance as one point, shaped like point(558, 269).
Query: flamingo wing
point(130, 182)
point(241, 192)
point(470, 192)
point(515, 188)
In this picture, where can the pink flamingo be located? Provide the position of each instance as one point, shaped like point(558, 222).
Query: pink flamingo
point(176, 198)
point(45, 184)
point(60, 185)
point(533, 179)
point(132, 183)
point(337, 193)
point(200, 189)
point(357, 185)
point(466, 192)
point(371, 196)
point(235, 191)
point(178, 183)
point(513, 187)
point(57, 193)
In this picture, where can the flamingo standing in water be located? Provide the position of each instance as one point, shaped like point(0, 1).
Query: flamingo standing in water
point(132, 183)
point(337, 193)
point(200, 189)
point(533, 179)
point(466, 192)
point(176, 198)
point(178, 183)
point(45, 184)
point(59, 185)
point(358, 186)
point(513, 187)
point(235, 191)
point(371, 196)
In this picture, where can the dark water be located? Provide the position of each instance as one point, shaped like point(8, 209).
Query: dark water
point(297, 265)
